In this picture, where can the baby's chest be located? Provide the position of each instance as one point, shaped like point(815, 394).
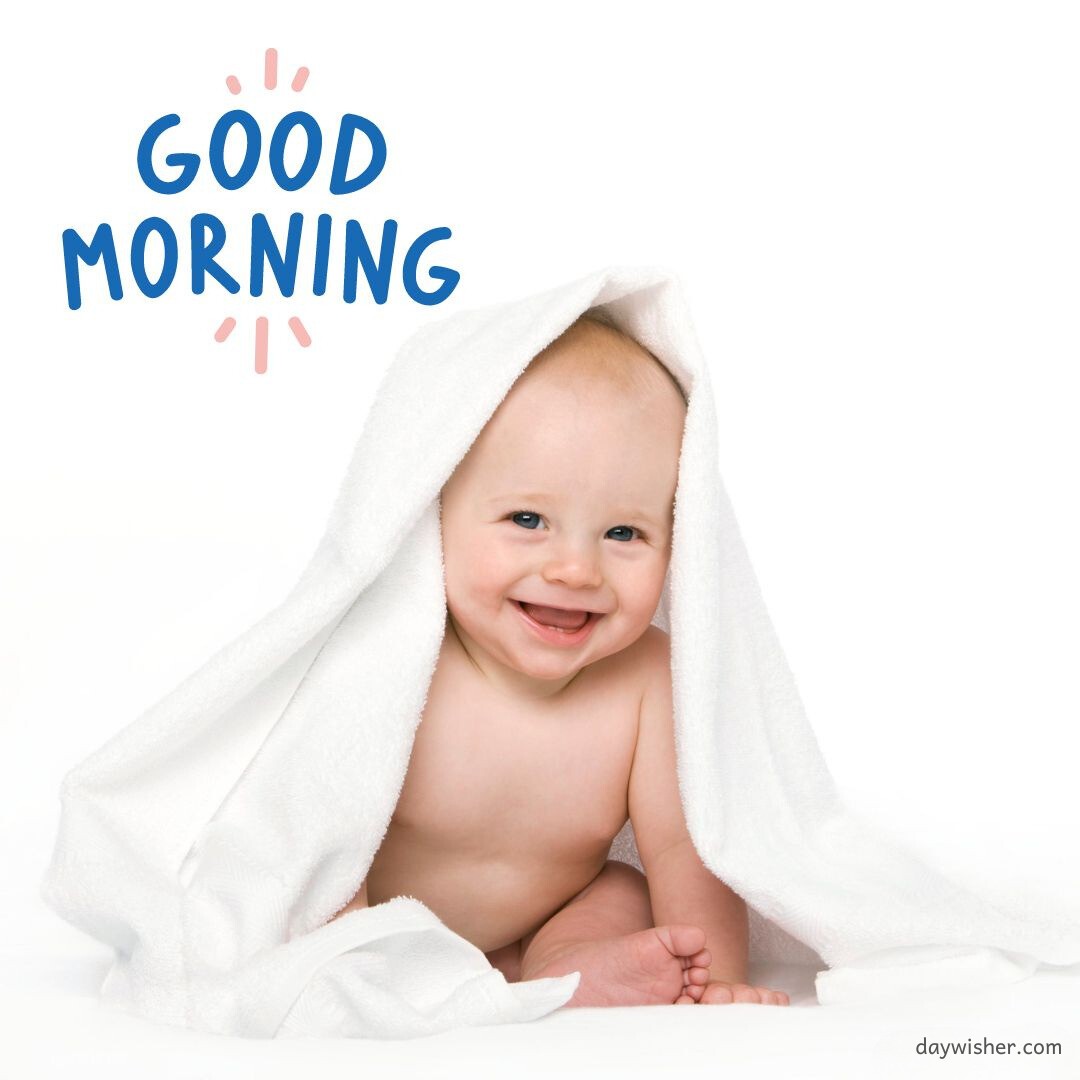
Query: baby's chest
point(483, 779)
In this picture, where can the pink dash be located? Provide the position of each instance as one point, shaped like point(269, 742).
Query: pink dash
point(225, 329)
point(301, 335)
point(300, 78)
point(261, 325)
point(233, 83)
point(270, 79)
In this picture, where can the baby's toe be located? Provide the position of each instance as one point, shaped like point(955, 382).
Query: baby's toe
point(682, 939)
point(697, 976)
point(717, 994)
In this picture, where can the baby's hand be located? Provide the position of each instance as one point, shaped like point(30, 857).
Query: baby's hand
point(725, 993)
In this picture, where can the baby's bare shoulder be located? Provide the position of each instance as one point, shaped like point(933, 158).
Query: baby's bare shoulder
point(641, 663)
point(657, 638)
point(655, 654)
point(644, 667)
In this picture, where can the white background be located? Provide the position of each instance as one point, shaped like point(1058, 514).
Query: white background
point(874, 210)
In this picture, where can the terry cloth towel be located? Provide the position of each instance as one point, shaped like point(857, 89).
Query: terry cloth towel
point(210, 840)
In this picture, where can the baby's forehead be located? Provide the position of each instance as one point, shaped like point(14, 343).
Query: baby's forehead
point(591, 372)
point(605, 366)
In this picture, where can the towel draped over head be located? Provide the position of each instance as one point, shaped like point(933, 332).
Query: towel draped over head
point(210, 840)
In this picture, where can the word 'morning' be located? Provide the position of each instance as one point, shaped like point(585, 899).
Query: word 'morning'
point(265, 251)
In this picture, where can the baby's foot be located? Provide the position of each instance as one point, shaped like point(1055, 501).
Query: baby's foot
point(662, 966)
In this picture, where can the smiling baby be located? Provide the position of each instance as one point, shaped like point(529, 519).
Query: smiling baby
point(549, 719)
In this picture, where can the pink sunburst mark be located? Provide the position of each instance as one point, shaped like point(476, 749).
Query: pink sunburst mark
point(270, 70)
point(261, 335)
point(270, 74)
point(225, 329)
point(299, 332)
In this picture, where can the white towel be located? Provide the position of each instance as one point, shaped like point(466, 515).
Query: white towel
point(210, 841)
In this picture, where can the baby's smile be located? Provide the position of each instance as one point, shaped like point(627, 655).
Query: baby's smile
point(558, 626)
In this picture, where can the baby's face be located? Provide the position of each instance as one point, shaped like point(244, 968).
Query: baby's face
point(564, 501)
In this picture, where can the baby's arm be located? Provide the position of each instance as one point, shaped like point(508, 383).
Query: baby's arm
point(681, 888)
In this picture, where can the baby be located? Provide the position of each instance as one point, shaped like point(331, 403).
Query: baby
point(549, 718)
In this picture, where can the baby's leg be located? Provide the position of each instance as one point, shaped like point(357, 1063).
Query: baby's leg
point(606, 932)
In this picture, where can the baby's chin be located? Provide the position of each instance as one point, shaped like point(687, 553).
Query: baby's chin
point(553, 664)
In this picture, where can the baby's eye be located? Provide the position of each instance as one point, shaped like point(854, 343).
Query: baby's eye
point(532, 522)
point(526, 514)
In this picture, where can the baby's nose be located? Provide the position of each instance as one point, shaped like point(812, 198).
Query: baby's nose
point(574, 565)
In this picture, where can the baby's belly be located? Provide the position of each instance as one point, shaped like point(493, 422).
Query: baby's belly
point(507, 813)
point(488, 900)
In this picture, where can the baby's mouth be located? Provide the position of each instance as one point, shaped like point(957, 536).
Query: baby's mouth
point(556, 618)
